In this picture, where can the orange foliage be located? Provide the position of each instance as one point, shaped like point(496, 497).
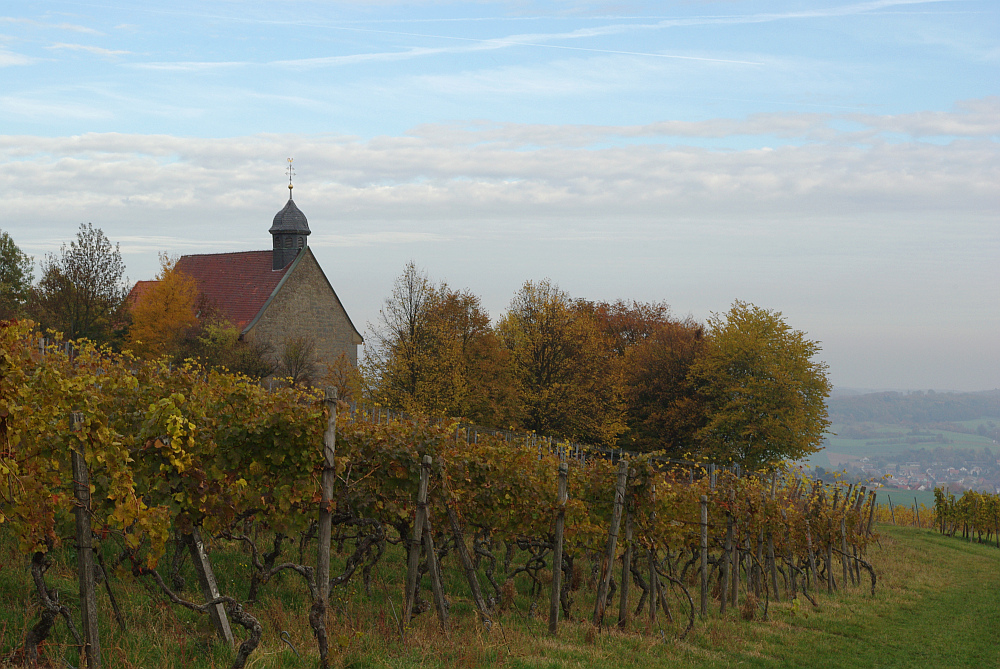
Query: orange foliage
point(163, 313)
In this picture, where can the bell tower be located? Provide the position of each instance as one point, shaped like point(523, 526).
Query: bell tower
point(288, 231)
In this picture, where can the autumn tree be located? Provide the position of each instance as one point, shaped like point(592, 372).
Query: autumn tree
point(164, 313)
point(344, 376)
point(662, 410)
point(470, 375)
point(434, 351)
point(82, 291)
point(764, 394)
point(297, 360)
point(15, 278)
point(628, 323)
point(567, 376)
point(396, 353)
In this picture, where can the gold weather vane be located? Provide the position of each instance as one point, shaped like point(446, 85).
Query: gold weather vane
point(291, 172)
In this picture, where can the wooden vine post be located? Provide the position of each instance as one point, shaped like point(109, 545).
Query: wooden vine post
point(209, 586)
point(325, 514)
point(467, 566)
point(734, 562)
point(772, 566)
point(704, 555)
point(654, 579)
point(609, 554)
point(811, 579)
point(557, 551)
point(843, 549)
point(623, 614)
point(84, 549)
point(415, 542)
point(433, 567)
point(726, 552)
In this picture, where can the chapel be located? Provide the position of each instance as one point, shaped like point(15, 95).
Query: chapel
point(278, 295)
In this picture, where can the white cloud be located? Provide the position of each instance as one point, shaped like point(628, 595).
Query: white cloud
point(846, 233)
point(506, 170)
point(100, 51)
point(190, 66)
point(59, 26)
point(9, 58)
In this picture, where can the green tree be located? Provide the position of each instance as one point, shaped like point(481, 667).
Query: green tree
point(15, 278)
point(217, 344)
point(764, 395)
point(567, 376)
point(82, 290)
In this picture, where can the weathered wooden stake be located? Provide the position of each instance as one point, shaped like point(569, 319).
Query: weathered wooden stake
point(467, 566)
point(734, 573)
point(415, 542)
point(609, 554)
point(326, 497)
point(557, 552)
point(871, 512)
point(811, 580)
point(209, 587)
point(843, 549)
point(623, 611)
point(84, 550)
point(726, 558)
point(772, 567)
point(654, 586)
point(704, 555)
point(831, 582)
point(434, 568)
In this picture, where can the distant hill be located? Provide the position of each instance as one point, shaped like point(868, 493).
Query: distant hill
point(914, 408)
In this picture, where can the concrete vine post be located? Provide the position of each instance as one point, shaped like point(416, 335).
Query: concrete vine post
point(557, 551)
point(85, 552)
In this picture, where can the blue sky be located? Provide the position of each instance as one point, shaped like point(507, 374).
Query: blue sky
point(836, 161)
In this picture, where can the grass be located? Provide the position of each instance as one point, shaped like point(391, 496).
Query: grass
point(936, 605)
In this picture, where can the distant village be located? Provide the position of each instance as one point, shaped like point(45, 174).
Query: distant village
point(957, 470)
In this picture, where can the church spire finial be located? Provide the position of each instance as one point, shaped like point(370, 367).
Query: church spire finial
point(291, 172)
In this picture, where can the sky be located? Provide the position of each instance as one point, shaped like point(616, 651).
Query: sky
point(833, 160)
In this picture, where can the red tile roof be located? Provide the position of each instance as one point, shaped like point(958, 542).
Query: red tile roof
point(238, 284)
point(138, 292)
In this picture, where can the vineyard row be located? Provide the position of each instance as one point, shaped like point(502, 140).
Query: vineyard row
point(130, 457)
